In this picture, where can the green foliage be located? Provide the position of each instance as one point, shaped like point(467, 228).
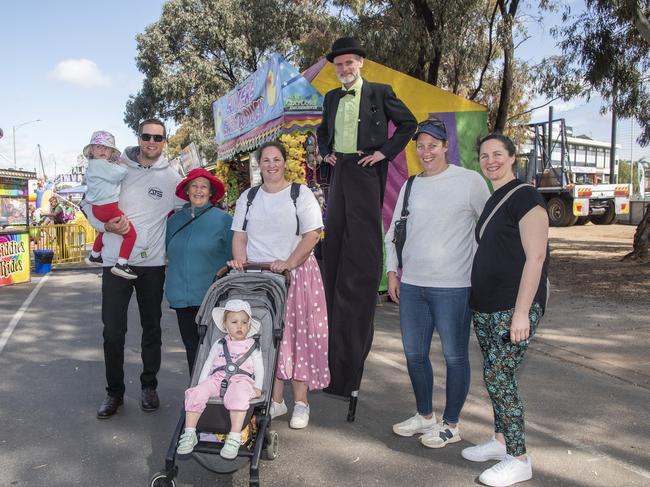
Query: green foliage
point(200, 49)
point(454, 44)
point(603, 52)
point(627, 175)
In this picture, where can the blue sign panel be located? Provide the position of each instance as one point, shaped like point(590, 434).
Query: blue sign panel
point(276, 88)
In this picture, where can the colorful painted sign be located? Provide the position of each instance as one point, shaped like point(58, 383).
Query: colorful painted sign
point(277, 88)
point(14, 258)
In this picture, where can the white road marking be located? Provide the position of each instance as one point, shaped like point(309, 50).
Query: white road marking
point(378, 357)
point(6, 334)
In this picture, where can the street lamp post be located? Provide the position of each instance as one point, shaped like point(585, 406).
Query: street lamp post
point(14, 127)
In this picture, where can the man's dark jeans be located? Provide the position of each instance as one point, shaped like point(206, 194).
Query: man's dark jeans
point(116, 295)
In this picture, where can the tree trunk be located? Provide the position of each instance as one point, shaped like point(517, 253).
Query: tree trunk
point(434, 68)
point(642, 24)
point(424, 11)
point(641, 240)
point(506, 78)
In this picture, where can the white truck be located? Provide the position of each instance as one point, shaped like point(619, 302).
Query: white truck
point(570, 198)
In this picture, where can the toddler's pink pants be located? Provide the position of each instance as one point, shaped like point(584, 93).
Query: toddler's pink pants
point(238, 395)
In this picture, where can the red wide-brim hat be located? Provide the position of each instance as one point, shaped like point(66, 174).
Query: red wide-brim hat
point(218, 188)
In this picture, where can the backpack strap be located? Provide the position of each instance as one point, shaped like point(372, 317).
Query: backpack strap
point(250, 197)
point(295, 192)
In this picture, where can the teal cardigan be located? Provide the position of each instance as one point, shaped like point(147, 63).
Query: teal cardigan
point(196, 253)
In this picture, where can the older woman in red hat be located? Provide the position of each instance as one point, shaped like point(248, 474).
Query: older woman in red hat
point(198, 244)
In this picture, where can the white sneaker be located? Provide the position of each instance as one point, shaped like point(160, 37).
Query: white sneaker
point(277, 409)
point(414, 425)
point(492, 449)
point(440, 436)
point(300, 416)
point(507, 472)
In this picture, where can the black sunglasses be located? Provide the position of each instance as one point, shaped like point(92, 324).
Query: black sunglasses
point(148, 137)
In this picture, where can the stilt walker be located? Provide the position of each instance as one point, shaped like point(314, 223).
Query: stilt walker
point(353, 138)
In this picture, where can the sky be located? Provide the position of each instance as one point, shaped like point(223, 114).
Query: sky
point(71, 65)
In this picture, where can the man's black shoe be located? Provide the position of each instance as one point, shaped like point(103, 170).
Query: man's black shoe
point(149, 400)
point(109, 407)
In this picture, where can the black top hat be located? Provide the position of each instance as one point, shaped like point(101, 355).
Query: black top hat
point(345, 45)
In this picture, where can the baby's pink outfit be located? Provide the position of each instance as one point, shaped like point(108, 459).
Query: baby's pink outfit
point(241, 388)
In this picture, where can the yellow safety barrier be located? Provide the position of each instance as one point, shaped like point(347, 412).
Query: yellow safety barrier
point(80, 219)
point(69, 242)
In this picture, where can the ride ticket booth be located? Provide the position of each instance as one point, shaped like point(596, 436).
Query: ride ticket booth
point(14, 226)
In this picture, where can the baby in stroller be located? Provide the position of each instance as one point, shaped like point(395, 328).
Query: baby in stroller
point(234, 370)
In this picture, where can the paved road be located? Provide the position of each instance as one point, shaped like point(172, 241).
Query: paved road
point(588, 423)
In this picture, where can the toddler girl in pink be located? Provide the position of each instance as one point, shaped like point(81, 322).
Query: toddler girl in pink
point(104, 181)
point(236, 321)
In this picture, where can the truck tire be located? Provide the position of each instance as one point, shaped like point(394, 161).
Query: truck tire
point(582, 220)
point(606, 218)
point(559, 212)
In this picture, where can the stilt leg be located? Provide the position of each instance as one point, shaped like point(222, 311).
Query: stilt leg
point(352, 410)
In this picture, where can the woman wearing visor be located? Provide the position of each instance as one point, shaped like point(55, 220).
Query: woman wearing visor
point(444, 204)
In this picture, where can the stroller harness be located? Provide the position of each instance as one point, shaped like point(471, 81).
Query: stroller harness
point(234, 367)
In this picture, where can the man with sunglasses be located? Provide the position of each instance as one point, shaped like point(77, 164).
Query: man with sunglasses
point(146, 198)
point(354, 138)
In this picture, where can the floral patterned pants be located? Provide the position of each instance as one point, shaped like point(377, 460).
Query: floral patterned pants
point(501, 361)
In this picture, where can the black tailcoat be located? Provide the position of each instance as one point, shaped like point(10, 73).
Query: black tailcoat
point(352, 249)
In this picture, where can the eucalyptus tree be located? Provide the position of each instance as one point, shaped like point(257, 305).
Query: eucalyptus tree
point(200, 49)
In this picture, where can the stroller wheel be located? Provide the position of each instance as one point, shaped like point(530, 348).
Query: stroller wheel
point(160, 479)
point(271, 447)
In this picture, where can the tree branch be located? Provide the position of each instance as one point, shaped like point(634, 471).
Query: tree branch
point(534, 108)
point(488, 60)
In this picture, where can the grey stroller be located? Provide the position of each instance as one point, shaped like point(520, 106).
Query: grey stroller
point(266, 292)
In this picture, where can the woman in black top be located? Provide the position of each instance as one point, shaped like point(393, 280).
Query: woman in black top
point(507, 299)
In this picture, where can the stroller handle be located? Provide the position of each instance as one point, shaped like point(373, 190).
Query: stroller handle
point(254, 267)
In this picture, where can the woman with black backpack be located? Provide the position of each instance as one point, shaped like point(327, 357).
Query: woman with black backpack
point(280, 222)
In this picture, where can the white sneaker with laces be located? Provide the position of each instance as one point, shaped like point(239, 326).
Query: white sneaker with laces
point(492, 449)
point(416, 424)
point(277, 409)
point(300, 416)
point(440, 436)
point(507, 472)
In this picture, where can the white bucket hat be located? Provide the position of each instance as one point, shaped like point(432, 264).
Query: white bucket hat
point(101, 137)
point(235, 305)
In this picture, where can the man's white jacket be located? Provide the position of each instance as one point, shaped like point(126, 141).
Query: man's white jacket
point(147, 197)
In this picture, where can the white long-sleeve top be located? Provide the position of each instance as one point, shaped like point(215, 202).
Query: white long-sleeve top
point(443, 210)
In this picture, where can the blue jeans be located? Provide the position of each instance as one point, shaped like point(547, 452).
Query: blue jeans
point(423, 309)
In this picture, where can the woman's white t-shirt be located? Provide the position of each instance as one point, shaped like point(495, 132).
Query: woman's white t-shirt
point(271, 228)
